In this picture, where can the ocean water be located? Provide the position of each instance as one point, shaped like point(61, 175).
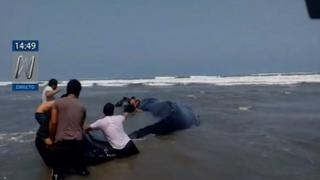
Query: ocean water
point(248, 131)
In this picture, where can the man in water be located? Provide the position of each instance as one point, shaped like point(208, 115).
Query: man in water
point(66, 127)
point(172, 116)
point(129, 104)
point(112, 128)
point(50, 91)
point(42, 140)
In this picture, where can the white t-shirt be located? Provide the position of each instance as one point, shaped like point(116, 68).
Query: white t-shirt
point(44, 97)
point(112, 128)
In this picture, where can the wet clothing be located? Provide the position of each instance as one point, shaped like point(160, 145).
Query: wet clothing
point(45, 153)
point(44, 97)
point(71, 119)
point(173, 117)
point(69, 154)
point(128, 150)
point(112, 128)
point(69, 148)
point(43, 119)
point(97, 151)
point(43, 133)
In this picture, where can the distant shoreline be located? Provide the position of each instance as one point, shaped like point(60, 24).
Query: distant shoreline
point(254, 79)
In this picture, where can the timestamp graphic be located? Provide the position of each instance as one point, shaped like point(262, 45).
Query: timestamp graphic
point(25, 45)
point(25, 65)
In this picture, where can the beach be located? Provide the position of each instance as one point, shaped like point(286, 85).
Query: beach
point(247, 132)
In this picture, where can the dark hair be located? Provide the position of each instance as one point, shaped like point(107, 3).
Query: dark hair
point(64, 95)
point(74, 87)
point(53, 82)
point(108, 109)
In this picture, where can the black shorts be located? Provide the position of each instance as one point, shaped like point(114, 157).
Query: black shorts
point(128, 150)
point(69, 154)
point(45, 153)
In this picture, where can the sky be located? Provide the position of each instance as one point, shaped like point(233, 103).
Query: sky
point(146, 38)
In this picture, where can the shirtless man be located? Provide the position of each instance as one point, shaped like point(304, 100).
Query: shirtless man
point(42, 140)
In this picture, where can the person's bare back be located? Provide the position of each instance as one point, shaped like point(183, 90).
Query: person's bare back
point(45, 107)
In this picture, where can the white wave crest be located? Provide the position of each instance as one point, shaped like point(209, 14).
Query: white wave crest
point(257, 79)
point(18, 137)
point(5, 83)
point(245, 108)
point(164, 77)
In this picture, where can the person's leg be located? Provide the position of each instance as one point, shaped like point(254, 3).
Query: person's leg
point(69, 155)
point(43, 120)
point(128, 150)
point(78, 159)
point(132, 148)
point(58, 154)
point(44, 152)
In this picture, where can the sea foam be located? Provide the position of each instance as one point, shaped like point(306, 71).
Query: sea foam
point(256, 79)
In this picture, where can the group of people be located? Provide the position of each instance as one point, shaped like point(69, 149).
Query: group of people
point(67, 146)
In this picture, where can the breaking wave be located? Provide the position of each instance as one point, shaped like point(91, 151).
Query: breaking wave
point(255, 79)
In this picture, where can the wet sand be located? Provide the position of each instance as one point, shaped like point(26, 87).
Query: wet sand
point(246, 133)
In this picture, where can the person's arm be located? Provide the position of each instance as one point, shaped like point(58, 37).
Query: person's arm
point(93, 126)
point(88, 129)
point(125, 115)
point(128, 114)
point(53, 122)
point(50, 94)
point(84, 117)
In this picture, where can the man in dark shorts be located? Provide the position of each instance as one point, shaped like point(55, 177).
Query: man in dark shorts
point(42, 140)
point(112, 127)
point(66, 128)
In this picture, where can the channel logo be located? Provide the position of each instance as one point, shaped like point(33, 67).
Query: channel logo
point(25, 60)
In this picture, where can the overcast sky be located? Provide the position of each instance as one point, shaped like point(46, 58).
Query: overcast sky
point(138, 38)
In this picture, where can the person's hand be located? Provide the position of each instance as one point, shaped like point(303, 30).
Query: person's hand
point(87, 130)
point(58, 89)
point(48, 141)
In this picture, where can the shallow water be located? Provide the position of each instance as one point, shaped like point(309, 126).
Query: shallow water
point(246, 132)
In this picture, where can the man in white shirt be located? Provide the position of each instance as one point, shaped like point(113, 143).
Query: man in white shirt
point(50, 91)
point(112, 128)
